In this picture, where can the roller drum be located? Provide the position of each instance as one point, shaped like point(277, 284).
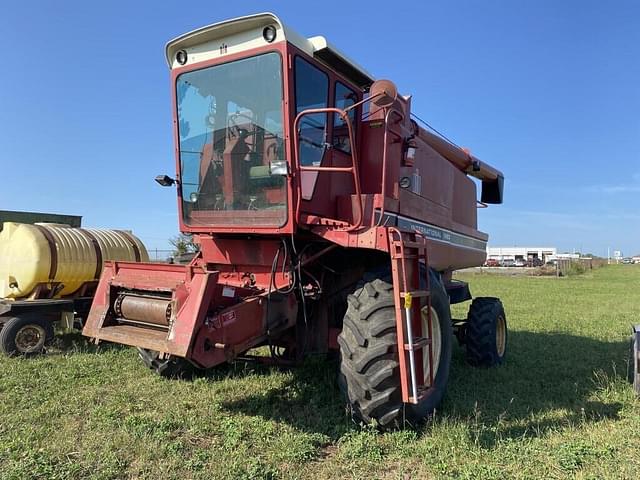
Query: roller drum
point(140, 309)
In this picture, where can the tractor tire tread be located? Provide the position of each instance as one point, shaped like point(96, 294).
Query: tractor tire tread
point(369, 374)
point(367, 366)
point(480, 334)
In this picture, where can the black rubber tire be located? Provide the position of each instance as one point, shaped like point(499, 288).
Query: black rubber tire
point(480, 336)
point(630, 361)
point(633, 374)
point(172, 367)
point(369, 369)
point(12, 326)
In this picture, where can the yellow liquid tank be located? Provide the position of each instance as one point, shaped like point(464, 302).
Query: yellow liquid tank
point(51, 253)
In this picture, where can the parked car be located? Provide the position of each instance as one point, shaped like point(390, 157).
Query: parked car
point(491, 262)
point(535, 262)
point(508, 263)
point(520, 262)
point(627, 261)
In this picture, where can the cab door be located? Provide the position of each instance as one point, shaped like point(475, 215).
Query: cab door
point(323, 138)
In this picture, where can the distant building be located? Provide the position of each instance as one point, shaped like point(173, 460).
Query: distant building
point(520, 253)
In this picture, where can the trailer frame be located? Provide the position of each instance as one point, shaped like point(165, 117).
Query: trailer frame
point(42, 314)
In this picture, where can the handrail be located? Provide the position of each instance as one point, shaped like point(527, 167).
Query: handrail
point(354, 162)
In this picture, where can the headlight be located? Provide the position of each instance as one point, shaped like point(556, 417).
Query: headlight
point(269, 33)
point(181, 57)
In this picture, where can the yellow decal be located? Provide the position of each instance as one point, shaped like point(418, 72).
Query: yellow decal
point(407, 300)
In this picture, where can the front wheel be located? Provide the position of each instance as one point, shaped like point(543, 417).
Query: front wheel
point(369, 367)
point(25, 335)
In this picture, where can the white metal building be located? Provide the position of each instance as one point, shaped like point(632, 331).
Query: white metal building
point(524, 253)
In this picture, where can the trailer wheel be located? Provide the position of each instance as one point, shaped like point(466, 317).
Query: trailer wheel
point(486, 333)
point(25, 335)
point(369, 371)
point(171, 367)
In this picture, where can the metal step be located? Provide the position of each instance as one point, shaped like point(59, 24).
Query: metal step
point(416, 293)
point(412, 244)
point(422, 392)
point(418, 343)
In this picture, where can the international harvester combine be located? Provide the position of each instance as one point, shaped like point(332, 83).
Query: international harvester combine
point(327, 220)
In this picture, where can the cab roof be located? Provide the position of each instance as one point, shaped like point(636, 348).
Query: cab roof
point(243, 33)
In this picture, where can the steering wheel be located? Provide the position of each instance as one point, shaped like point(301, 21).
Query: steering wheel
point(234, 129)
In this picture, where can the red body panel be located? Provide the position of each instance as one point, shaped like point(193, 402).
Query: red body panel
point(189, 290)
point(211, 320)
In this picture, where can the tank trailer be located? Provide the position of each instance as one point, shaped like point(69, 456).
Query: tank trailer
point(49, 273)
point(327, 220)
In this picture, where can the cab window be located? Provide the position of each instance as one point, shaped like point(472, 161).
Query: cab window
point(345, 97)
point(312, 91)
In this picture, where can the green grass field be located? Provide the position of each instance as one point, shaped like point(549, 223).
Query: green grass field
point(558, 408)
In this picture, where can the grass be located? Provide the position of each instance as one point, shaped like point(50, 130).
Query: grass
point(559, 407)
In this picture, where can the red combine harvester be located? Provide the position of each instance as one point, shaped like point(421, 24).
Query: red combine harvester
point(327, 221)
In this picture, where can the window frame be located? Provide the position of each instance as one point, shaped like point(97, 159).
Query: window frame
point(354, 122)
point(328, 123)
point(175, 78)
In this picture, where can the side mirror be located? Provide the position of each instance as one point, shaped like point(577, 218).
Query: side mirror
point(279, 167)
point(493, 190)
point(383, 93)
point(165, 180)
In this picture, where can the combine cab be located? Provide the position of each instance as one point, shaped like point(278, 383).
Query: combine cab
point(327, 219)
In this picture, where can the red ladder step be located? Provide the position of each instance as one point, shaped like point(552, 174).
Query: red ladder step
point(422, 392)
point(416, 293)
point(418, 343)
point(412, 244)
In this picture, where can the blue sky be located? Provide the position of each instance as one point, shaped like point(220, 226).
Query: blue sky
point(547, 91)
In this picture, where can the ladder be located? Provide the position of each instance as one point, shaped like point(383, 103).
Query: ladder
point(408, 250)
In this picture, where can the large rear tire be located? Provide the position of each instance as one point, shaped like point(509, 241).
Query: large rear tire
point(486, 333)
point(369, 367)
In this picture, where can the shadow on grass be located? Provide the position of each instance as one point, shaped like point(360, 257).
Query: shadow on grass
point(309, 399)
point(547, 383)
point(75, 342)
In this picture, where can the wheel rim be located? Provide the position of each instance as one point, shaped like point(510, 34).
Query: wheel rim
point(30, 338)
point(501, 335)
point(436, 343)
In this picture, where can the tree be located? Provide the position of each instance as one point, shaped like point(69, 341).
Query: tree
point(182, 244)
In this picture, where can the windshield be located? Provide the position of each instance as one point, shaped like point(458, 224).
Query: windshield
point(232, 158)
